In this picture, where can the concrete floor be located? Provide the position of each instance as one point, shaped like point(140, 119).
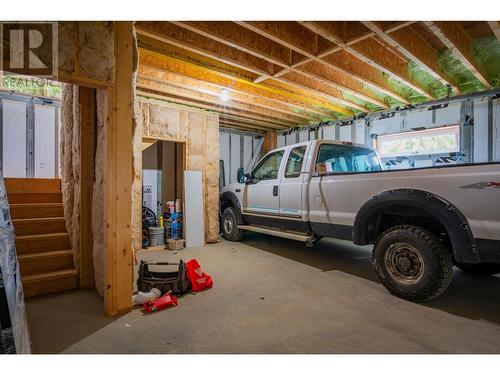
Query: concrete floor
point(273, 295)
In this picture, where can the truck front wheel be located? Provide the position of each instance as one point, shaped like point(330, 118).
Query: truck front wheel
point(412, 263)
point(480, 269)
point(230, 229)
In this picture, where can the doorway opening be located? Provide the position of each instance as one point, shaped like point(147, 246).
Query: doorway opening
point(163, 165)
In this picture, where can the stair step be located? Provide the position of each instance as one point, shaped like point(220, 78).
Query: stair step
point(33, 184)
point(17, 196)
point(25, 227)
point(44, 262)
point(35, 210)
point(49, 282)
point(41, 242)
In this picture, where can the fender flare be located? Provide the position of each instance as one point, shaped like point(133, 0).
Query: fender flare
point(463, 243)
point(229, 196)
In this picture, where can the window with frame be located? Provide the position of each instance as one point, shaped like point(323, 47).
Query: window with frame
point(346, 159)
point(269, 167)
point(294, 162)
point(422, 142)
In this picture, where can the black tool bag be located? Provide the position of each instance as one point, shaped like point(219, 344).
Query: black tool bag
point(175, 281)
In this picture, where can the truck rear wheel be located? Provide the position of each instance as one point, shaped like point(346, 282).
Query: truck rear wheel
point(480, 269)
point(412, 263)
point(230, 229)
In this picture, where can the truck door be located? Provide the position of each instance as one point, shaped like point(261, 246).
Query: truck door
point(290, 194)
point(261, 197)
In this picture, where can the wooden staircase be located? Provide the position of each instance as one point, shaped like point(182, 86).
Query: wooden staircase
point(42, 241)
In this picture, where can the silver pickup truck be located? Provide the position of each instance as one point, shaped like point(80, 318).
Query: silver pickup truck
point(421, 221)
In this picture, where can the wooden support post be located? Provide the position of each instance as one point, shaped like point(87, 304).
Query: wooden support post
point(270, 141)
point(87, 173)
point(119, 176)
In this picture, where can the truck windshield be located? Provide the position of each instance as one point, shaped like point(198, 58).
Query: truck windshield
point(346, 159)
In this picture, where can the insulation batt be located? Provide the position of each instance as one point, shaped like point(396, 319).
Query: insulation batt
point(200, 131)
point(70, 166)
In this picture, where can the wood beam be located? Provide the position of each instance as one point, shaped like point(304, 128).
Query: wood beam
point(235, 124)
point(199, 105)
point(270, 141)
point(414, 47)
point(118, 176)
point(319, 88)
point(458, 41)
point(398, 25)
point(210, 98)
point(236, 36)
point(339, 80)
point(292, 35)
point(248, 122)
point(320, 58)
point(372, 52)
point(151, 60)
point(495, 27)
point(198, 86)
point(217, 50)
point(167, 32)
point(87, 98)
point(233, 35)
point(207, 102)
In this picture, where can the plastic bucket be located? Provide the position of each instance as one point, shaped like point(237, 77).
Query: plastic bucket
point(156, 236)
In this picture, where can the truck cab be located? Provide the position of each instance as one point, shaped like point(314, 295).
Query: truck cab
point(276, 192)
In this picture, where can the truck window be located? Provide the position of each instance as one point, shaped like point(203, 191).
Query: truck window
point(268, 167)
point(346, 159)
point(294, 162)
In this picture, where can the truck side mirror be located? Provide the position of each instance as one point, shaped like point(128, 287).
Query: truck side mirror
point(241, 175)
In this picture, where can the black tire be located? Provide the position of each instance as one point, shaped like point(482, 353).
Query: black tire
point(412, 263)
point(480, 269)
point(229, 224)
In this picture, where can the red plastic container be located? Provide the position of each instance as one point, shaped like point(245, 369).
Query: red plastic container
point(161, 303)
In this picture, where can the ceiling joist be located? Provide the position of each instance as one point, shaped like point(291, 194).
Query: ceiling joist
point(324, 57)
point(175, 35)
point(261, 75)
point(307, 101)
point(415, 48)
point(213, 99)
point(456, 39)
point(372, 52)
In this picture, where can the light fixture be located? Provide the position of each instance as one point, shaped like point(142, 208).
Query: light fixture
point(224, 95)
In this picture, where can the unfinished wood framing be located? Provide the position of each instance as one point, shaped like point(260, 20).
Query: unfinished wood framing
point(119, 166)
point(415, 48)
point(199, 131)
point(495, 27)
point(88, 121)
point(456, 39)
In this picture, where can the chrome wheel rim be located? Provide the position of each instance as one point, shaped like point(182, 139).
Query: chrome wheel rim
point(228, 224)
point(404, 263)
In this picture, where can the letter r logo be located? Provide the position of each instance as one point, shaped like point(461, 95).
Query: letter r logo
point(29, 48)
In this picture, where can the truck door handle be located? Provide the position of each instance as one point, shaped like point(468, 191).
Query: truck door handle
point(275, 191)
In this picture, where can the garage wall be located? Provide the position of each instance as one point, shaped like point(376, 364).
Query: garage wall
point(238, 149)
point(478, 117)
